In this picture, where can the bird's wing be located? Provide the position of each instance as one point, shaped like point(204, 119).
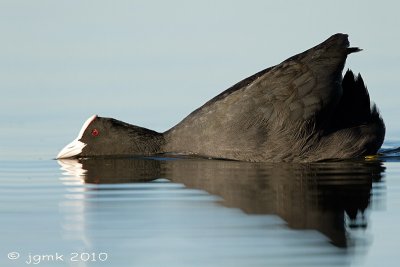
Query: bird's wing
point(301, 91)
point(304, 87)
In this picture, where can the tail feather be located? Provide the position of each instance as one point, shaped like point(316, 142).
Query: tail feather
point(355, 122)
point(354, 108)
point(353, 50)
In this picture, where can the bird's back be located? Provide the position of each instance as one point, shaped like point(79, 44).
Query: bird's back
point(279, 114)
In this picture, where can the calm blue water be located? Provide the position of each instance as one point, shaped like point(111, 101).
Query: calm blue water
point(187, 212)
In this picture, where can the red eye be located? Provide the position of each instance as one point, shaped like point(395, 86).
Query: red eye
point(95, 132)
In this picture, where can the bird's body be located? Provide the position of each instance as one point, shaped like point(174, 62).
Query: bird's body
point(300, 110)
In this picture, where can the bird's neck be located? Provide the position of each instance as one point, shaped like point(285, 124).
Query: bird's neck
point(145, 141)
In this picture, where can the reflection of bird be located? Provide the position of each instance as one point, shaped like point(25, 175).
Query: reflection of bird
point(307, 196)
point(300, 110)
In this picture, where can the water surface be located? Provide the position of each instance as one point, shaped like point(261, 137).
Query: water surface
point(196, 212)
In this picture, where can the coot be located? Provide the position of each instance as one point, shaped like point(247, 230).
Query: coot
point(300, 110)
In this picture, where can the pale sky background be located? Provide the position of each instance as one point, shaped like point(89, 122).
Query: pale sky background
point(151, 63)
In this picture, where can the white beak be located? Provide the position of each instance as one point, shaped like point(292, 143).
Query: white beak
point(75, 147)
point(72, 149)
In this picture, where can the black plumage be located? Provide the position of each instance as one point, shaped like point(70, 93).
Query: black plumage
point(300, 110)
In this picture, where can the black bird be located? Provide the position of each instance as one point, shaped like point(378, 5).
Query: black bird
point(299, 110)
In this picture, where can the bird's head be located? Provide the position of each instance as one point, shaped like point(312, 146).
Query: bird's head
point(101, 137)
